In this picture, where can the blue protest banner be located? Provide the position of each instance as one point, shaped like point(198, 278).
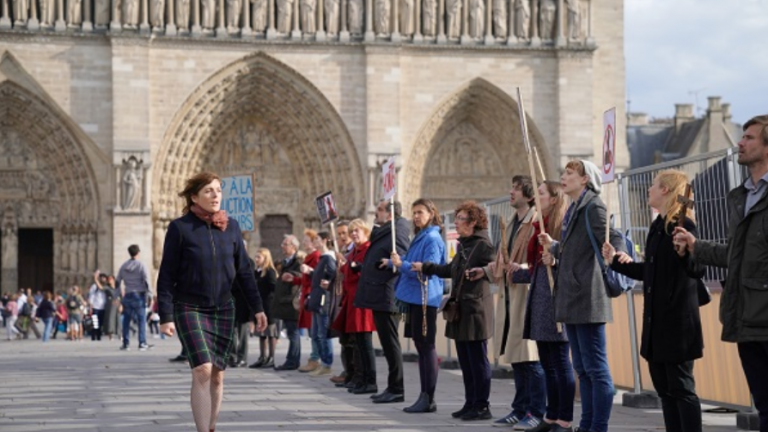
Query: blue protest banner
point(238, 200)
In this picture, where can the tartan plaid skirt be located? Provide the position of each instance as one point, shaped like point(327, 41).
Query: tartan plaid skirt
point(205, 332)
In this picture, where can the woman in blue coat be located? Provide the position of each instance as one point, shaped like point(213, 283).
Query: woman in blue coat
point(203, 257)
point(422, 300)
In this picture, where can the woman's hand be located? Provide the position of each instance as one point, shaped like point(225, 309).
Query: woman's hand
point(383, 263)
point(547, 259)
point(512, 267)
point(324, 284)
point(545, 240)
point(168, 328)
point(396, 261)
point(340, 259)
point(608, 252)
point(261, 322)
point(624, 258)
point(306, 269)
point(286, 277)
point(416, 266)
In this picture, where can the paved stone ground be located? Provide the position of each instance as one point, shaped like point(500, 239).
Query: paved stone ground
point(92, 386)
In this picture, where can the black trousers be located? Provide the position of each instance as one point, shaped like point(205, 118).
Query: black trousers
point(239, 350)
point(348, 357)
point(476, 372)
point(754, 358)
point(364, 351)
point(386, 327)
point(675, 385)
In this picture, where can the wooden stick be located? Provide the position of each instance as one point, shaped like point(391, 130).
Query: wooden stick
point(541, 167)
point(333, 237)
point(394, 241)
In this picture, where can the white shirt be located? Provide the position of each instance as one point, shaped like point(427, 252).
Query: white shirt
point(96, 297)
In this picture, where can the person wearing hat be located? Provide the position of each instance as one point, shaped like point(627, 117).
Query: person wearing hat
point(581, 300)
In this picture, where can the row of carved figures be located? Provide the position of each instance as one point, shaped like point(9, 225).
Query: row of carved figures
point(493, 20)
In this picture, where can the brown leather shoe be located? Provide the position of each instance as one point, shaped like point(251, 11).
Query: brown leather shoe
point(310, 366)
point(337, 379)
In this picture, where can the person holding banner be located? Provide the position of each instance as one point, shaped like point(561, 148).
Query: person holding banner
point(422, 295)
point(203, 256)
point(320, 300)
point(581, 300)
point(672, 337)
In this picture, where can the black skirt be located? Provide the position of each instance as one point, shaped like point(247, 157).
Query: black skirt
point(414, 325)
point(205, 332)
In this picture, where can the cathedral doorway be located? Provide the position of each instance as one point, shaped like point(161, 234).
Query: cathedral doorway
point(36, 259)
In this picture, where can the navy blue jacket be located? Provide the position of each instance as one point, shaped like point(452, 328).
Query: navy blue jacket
point(201, 264)
point(376, 287)
point(325, 270)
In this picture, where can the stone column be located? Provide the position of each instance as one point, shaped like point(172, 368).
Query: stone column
point(465, 38)
point(221, 31)
point(588, 17)
point(115, 26)
point(296, 32)
point(560, 39)
point(87, 18)
point(271, 31)
point(417, 37)
point(395, 20)
point(441, 39)
point(34, 22)
point(90, 247)
point(489, 40)
point(5, 23)
point(344, 32)
point(61, 25)
point(170, 26)
point(82, 248)
point(511, 38)
point(144, 27)
point(369, 35)
point(246, 31)
point(535, 39)
point(320, 34)
point(196, 29)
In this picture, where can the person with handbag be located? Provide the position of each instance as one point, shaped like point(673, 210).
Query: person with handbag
point(469, 310)
point(581, 299)
point(672, 336)
point(422, 296)
point(285, 303)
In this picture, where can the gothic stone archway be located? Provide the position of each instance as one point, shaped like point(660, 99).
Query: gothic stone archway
point(469, 148)
point(46, 181)
point(259, 114)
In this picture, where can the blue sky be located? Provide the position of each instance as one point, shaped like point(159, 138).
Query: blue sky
point(678, 51)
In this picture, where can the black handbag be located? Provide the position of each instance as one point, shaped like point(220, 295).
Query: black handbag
point(705, 296)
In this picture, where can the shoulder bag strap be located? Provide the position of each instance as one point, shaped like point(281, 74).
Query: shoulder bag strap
point(592, 239)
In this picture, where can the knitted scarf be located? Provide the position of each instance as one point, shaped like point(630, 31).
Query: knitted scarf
point(218, 219)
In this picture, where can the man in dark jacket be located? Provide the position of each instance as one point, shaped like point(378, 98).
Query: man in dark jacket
point(376, 291)
point(238, 354)
point(744, 302)
point(282, 302)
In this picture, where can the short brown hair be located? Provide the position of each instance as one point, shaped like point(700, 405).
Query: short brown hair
point(761, 120)
point(577, 166)
point(475, 212)
point(194, 185)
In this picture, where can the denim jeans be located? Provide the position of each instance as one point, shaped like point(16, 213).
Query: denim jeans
point(134, 307)
point(319, 332)
point(293, 357)
point(530, 389)
point(47, 328)
point(590, 361)
point(561, 387)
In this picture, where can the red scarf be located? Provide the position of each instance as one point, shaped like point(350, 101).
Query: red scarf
point(218, 219)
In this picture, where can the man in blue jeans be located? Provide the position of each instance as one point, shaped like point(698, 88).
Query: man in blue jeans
point(134, 294)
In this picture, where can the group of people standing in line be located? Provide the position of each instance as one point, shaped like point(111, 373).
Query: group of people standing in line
point(551, 313)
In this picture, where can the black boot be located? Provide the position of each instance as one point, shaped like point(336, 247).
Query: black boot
point(424, 404)
point(268, 363)
point(258, 363)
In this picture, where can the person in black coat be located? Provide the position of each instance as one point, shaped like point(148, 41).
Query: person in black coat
point(672, 336)
point(238, 354)
point(203, 256)
point(285, 303)
point(376, 291)
point(266, 279)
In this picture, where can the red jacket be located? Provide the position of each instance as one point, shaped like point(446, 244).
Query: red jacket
point(305, 317)
point(350, 318)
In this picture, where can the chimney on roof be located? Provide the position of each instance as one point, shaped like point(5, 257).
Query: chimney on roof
point(683, 114)
point(717, 138)
point(637, 119)
point(726, 112)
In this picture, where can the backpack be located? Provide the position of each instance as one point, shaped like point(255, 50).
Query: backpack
point(26, 310)
point(615, 283)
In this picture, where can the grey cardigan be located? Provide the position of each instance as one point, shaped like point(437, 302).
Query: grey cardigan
point(580, 296)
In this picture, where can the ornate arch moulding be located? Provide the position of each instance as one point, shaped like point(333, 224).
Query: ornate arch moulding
point(456, 108)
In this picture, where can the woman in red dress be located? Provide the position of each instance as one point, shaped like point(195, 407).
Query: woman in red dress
point(356, 321)
point(305, 317)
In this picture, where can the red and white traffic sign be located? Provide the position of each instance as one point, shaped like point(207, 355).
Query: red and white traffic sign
point(388, 176)
point(609, 145)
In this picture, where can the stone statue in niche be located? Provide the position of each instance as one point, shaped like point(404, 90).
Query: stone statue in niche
point(234, 7)
point(308, 15)
point(101, 13)
point(131, 13)
point(547, 14)
point(47, 13)
point(499, 18)
point(574, 19)
point(284, 15)
point(331, 8)
point(407, 15)
point(182, 15)
point(522, 19)
point(382, 17)
point(453, 8)
point(157, 18)
point(209, 14)
point(429, 15)
point(476, 18)
point(131, 184)
point(21, 12)
point(259, 21)
point(355, 19)
point(10, 241)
